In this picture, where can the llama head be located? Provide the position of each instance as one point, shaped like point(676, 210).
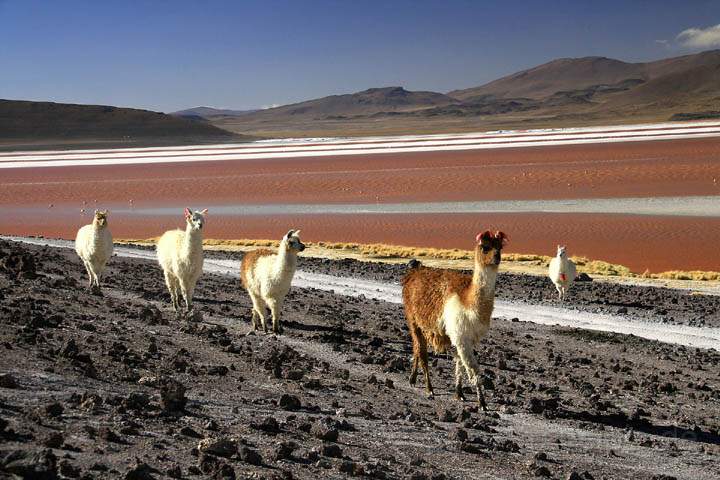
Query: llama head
point(489, 247)
point(195, 220)
point(100, 219)
point(561, 251)
point(291, 242)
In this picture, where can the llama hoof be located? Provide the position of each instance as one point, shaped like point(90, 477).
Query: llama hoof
point(430, 395)
point(96, 291)
point(278, 331)
point(459, 396)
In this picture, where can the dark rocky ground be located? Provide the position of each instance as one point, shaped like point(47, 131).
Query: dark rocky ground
point(115, 386)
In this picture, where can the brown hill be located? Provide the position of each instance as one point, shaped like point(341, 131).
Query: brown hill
point(367, 102)
point(562, 93)
point(693, 84)
point(579, 73)
point(28, 122)
point(552, 77)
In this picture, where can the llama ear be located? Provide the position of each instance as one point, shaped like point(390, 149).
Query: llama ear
point(297, 233)
point(96, 211)
point(188, 213)
point(502, 237)
point(203, 211)
point(483, 236)
point(289, 234)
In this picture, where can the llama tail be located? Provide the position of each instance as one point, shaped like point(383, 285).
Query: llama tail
point(413, 264)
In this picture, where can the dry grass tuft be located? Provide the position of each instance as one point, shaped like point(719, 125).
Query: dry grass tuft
point(695, 275)
point(599, 267)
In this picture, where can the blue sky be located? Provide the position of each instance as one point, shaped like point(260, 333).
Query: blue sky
point(167, 55)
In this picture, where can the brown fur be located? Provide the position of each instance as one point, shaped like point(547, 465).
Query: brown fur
point(248, 263)
point(425, 291)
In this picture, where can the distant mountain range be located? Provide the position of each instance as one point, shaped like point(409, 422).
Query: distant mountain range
point(209, 112)
point(48, 123)
point(563, 92)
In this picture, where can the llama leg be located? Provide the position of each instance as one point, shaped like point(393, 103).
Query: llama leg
point(176, 293)
point(559, 290)
point(465, 352)
point(275, 306)
point(95, 285)
point(422, 354)
point(416, 354)
point(190, 296)
point(253, 320)
point(261, 312)
point(170, 284)
point(414, 369)
point(255, 310)
point(99, 269)
point(185, 290)
point(90, 277)
point(97, 272)
point(458, 378)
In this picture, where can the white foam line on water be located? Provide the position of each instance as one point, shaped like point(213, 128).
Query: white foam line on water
point(129, 157)
point(699, 206)
point(248, 151)
point(706, 337)
point(329, 141)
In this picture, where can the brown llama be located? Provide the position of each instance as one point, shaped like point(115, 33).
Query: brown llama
point(446, 308)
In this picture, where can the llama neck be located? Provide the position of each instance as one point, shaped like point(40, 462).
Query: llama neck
point(97, 229)
point(562, 261)
point(482, 287)
point(192, 242)
point(286, 259)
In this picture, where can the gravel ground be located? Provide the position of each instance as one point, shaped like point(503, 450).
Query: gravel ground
point(115, 386)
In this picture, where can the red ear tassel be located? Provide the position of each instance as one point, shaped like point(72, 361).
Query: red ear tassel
point(501, 236)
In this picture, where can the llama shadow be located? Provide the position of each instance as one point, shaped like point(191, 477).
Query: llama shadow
point(620, 420)
point(213, 301)
point(334, 331)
